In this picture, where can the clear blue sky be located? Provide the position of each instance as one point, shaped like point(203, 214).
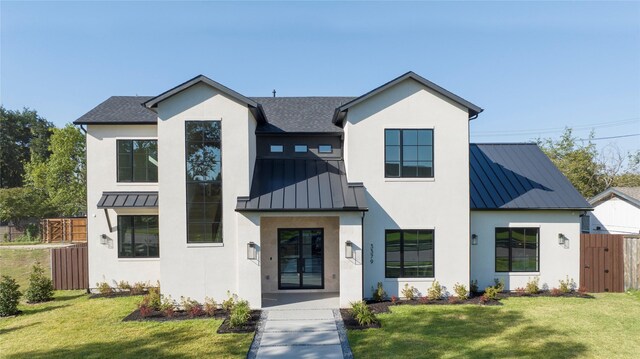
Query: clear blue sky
point(533, 67)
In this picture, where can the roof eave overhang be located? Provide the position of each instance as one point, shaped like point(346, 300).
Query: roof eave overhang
point(288, 210)
point(341, 112)
point(535, 209)
point(613, 192)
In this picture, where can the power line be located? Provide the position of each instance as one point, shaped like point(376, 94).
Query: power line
point(556, 129)
point(607, 138)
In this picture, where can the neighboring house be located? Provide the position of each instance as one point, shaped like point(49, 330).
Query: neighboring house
point(616, 211)
point(207, 190)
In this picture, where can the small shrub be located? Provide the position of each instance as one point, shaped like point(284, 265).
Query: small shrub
point(240, 314)
point(379, 294)
point(409, 292)
point(192, 307)
point(40, 286)
point(104, 288)
point(473, 286)
point(210, 306)
point(556, 292)
point(520, 291)
point(567, 286)
point(461, 291)
point(498, 284)
point(435, 292)
point(155, 300)
point(363, 313)
point(9, 296)
point(144, 308)
point(168, 306)
point(123, 285)
point(491, 293)
point(582, 290)
point(484, 299)
point(533, 286)
point(138, 288)
point(230, 302)
point(394, 299)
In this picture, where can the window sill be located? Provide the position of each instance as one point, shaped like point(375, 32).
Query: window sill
point(517, 274)
point(204, 245)
point(126, 259)
point(409, 179)
point(134, 184)
point(421, 279)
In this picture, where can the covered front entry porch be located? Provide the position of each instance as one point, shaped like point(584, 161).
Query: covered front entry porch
point(300, 260)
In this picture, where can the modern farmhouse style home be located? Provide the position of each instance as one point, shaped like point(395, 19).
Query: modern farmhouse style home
point(209, 191)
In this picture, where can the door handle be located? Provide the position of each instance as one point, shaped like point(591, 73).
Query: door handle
point(587, 267)
point(606, 271)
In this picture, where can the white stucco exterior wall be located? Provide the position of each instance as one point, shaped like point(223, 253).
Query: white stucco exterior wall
point(615, 216)
point(104, 264)
point(200, 270)
point(440, 203)
point(556, 261)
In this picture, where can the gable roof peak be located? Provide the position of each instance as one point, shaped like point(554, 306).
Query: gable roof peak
point(341, 111)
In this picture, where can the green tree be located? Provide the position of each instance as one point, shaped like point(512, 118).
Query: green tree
point(577, 161)
point(23, 136)
point(19, 204)
point(62, 177)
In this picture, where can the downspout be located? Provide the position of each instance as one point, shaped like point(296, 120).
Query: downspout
point(362, 251)
point(83, 129)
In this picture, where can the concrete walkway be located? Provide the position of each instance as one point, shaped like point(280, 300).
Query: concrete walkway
point(291, 331)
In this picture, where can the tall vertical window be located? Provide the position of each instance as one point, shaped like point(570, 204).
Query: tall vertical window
point(204, 181)
point(408, 153)
point(409, 254)
point(138, 237)
point(137, 160)
point(517, 250)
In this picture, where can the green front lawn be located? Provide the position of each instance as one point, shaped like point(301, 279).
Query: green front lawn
point(543, 327)
point(17, 263)
point(74, 326)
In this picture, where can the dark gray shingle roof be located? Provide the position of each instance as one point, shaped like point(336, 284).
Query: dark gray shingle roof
point(119, 110)
point(299, 114)
point(302, 185)
point(128, 200)
point(519, 176)
point(629, 194)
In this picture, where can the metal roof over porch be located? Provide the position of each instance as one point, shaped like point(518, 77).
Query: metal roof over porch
point(302, 185)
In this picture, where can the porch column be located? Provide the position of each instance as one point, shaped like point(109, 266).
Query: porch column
point(351, 268)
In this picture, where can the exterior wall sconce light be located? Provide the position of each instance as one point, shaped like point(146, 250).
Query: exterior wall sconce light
point(103, 239)
point(561, 239)
point(348, 249)
point(252, 251)
point(474, 239)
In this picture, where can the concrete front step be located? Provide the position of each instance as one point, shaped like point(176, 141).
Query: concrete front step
point(297, 314)
point(316, 325)
point(301, 352)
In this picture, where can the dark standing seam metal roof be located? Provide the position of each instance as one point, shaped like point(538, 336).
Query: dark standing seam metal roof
point(519, 176)
point(128, 200)
point(302, 185)
point(299, 114)
point(119, 110)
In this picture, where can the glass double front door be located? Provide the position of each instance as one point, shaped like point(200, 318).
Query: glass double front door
point(300, 259)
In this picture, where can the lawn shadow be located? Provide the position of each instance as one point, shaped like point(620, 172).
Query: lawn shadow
point(154, 345)
point(30, 309)
point(471, 331)
point(13, 329)
point(68, 296)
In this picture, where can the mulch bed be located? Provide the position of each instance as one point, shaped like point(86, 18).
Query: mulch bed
point(351, 323)
point(250, 327)
point(224, 328)
point(116, 294)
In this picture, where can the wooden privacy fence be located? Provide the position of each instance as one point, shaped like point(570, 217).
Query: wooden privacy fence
point(64, 229)
point(609, 262)
point(69, 267)
point(632, 263)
